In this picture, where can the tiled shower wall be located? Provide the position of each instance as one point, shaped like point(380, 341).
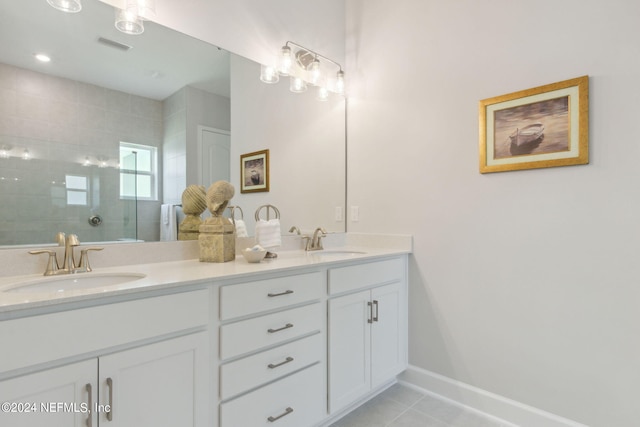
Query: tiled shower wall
point(62, 124)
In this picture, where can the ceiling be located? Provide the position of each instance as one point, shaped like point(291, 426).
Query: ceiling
point(160, 62)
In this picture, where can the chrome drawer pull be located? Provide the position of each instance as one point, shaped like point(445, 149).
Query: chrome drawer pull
point(375, 318)
point(90, 414)
point(370, 319)
point(287, 326)
point(286, 412)
point(110, 412)
point(270, 295)
point(287, 360)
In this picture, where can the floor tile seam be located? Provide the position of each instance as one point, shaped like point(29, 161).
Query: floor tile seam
point(404, 403)
point(444, 423)
point(390, 423)
point(448, 423)
point(441, 421)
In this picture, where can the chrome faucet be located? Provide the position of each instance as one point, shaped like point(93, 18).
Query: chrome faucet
point(69, 265)
point(315, 243)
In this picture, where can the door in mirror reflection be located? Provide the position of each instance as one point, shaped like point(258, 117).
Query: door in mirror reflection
point(214, 155)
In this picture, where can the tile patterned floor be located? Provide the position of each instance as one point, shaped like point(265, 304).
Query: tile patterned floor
point(401, 406)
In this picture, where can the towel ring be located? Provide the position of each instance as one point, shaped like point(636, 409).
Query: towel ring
point(267, 207)
point(232, 209)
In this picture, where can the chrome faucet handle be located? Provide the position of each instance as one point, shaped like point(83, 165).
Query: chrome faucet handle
point(84, 265)
point(52, 263)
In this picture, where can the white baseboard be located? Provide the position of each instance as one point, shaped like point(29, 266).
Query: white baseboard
point(476, 399)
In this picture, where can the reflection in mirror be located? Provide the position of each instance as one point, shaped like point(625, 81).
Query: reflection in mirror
point(68, 126)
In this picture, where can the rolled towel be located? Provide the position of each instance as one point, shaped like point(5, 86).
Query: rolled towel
point(241, 228)
point(268, 233)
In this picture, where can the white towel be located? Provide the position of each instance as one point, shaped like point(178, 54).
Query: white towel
point(268, 233)
point(168, 223)
point(241, 228)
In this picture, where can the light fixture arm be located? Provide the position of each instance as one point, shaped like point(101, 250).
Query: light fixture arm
point(316, 54)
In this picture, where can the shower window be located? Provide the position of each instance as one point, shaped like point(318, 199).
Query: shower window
point(77, 190)
point(138, 171)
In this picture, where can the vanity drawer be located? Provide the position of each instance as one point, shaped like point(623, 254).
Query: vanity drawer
point(295, 401)
point(252, 334)
point(263, 295)
point(354, 277)
point(253, 371)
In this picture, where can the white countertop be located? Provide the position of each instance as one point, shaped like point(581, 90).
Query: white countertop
point(184, 272)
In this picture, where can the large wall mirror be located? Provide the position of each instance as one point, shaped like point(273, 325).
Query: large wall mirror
point(96, 140)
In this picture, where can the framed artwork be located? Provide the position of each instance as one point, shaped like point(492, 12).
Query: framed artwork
point(541, 127)
point(254, 172)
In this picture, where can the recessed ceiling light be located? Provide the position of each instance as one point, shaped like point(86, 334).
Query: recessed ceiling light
point(42, 57)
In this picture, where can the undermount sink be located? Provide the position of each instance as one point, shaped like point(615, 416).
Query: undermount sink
point(73, 282)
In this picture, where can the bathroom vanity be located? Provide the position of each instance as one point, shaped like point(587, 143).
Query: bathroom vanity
point(295, 341)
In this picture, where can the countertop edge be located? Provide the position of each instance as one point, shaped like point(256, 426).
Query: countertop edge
point(188, 273)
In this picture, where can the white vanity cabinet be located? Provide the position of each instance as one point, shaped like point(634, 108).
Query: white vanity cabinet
point(272, 352)
point(367, 318)
point(161, 384)
point(295, 345)
point(32, 400)
point(144, 363)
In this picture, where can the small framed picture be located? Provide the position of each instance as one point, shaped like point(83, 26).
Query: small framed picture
point(254, 172)
point(541, 127)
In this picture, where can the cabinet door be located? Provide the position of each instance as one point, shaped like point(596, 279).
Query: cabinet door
point(349, 349)
point(165, 384)
point(388, 333)
point(58, 397)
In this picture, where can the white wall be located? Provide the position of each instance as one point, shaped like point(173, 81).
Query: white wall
point(524, 284)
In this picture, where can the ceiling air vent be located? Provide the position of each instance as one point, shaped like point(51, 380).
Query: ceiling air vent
point(114, 44)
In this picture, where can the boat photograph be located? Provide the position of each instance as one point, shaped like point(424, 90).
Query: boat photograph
point(527, 134)
point(536, 128)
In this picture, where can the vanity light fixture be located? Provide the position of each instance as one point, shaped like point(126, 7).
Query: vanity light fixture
point(102, 161)
point(145, 9)
point(69, 6)
point(4, 151)
point(340, 82)
point(129, 22)
point(315, 71)
point(286, 62)
point(323, 93)
point(269, 74)
point(305, 66)
point(297, 85)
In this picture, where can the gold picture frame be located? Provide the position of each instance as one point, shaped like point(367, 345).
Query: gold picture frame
point(254, 172)
point(542, 127)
